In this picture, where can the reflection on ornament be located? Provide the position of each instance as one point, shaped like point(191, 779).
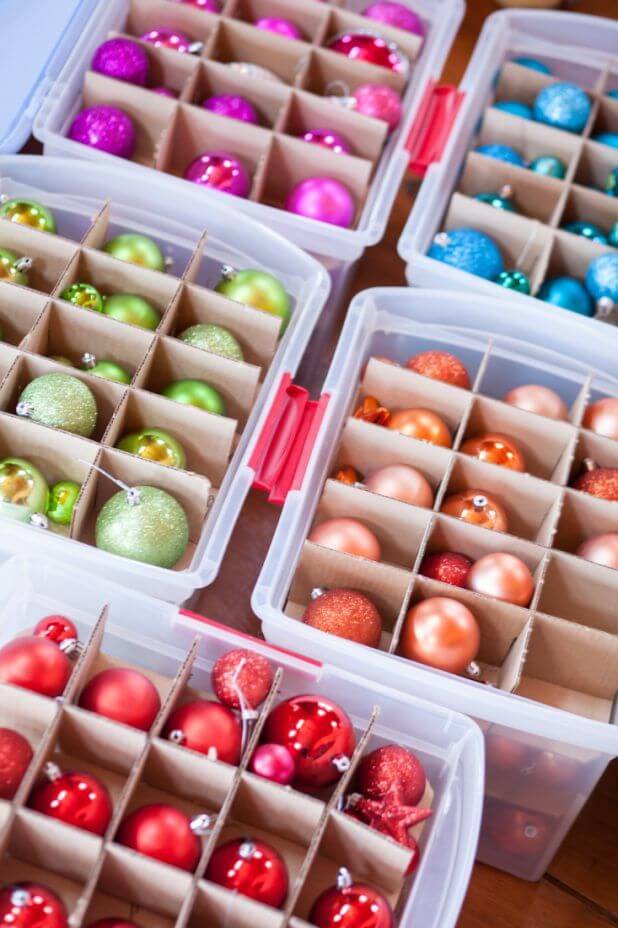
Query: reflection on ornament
point(601, 482)
point(563, 105)
point(324, 199)
point(442, 633)
point(602, 417)
point(327, 138)
point(136, 249)
point(278, 25)
point(587, 230)
point(538, 399)
point(478, 508)
point(28, 213)
point(568, 293)
point(123, 59)
point(257, 289)
point(131, 309)
point(252, 868)
point(84, 295)
point(468, 250)
point(23, 489)
point(495, 448)
point(501, 153)
point(13, 268)
point(213, 338)
point(144, 524)
point(370, 410)
point(351, 903)
point(154, 445)
point(106, 128)
point(440, 365)
point(232, 106)
point(171, 39)
point(365, 45)
point(514, 280)
point(395, 14)
point(62, 499)
point(549, 166)
point(345, 613)
point(421, 424)
point(196, 393)
point(221, 171)
point(60, 401)
point(503, 199)
point(502, 576)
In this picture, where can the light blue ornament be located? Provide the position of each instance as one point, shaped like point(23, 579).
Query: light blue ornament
point(613, 94)
point(563, 106)
point(501, 153)
point(534, 64)
point(611, 184)
point(468, 250)
point(514, 107)
point(602, 278)
point(606, 138)
point(587, 230)
point(568, 293)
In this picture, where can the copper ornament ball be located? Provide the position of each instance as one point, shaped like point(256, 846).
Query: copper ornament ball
point(601, 549)
point(601, 482)
point(440, 365)
point(477, 508)
point(541, 400)
point(442, 633)
point(349, 536)
point(502, 576)
point(422, 424)
point(399, 481)
point(347, 614)
point(496, 448)
point(602, 417)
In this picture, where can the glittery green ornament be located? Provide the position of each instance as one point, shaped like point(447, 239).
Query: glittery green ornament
point(108, 370)
point(213, 338)
point(587, 230)
point(196, 393)
point(514, 280)
point(23, 489)
point(84, 295)
point(258, 289)
point(60, 401)
point(29, 213)
point(62, 498)
point(133, 309)
point(145, 524)
point(14, 268)
point(503, 199)
point(154, 445)
point(136, 249)
point(549, 166)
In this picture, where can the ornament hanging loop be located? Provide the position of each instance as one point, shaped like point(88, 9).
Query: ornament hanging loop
point(341, 763)
point(25, 410)
point(134, 497)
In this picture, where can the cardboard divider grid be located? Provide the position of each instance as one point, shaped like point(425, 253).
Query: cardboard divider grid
point(50, 255)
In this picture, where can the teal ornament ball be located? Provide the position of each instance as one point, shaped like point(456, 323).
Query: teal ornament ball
point(502, 153)
point(514, 280)
point(564, 106)
point(533, 63)
point(606, 138)
point(549, 166)
point(132, 309)
point(144, 524)
point(136, 249)
point(60, 401)
point(23, 489)
point(468, 250)
point(602, 277)
point(587, 230)
point(502, 199)
point(213, 338)
point(612, 238)
point(515, 108)
point(568, 293)
point(611, 184)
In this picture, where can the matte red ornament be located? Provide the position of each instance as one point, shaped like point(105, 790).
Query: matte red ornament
point(447, 567)
point(251, 868)
point(242, 672)
point(124, 695)
point(164, 833)
point(57, 628)
point(519, 832)
point(351, 905)
point(31, 905)
point(75, 798)
point(15, 757)
point(207, 727)
point(319, 735)
point(390, 770)
point(35, 664)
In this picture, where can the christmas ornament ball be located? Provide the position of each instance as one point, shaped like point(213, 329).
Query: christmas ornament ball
point(402, 482)
point(153, 444)
point(501, 152)
point(132, 309)
point(567, 293)
point(206, 727)
point(106, 128)
point(29, 213)
point(164, 833)
point(347, 614)
point(496, 448)
point(324, 199)
point(440, 365)
point(273, 762)
point(108, 370)
point(252, 868)
point(57, 628)
point(421, 424)
point(136, 249)
point(391, 769)
point(278, 25)
point(73, 797)
point(220, 170)
point(349, 903)
point(148, 525)
point(549, 166)
point(62, 499)
point(478, 508)
point(257, 289)
point(232, 106)
point(31, 905)
point(122, 59)
point(395, 14)
point(587, 230)
point(348, 535)
point(196, 393)
point(241, 679)
point(35, 663)
point(501, 199)
point(602, 277)
point(84, 295)
point(213, 338)
point(468, 250)
point(23, 489)
point(602, 417)
point(327, 138)
point(601, 482)
point(502, 576)
point(515, 108)
point(61, 401)
point(13, 268)
point(533, 63)
point(562, 105)
point(380, 102)
point(611, 184)
point(15, 756)
point(442, 633)
point(601, 549)
point(124, 695)
point(369, 47)
point(518, 831)
point(514, 280)
point(172, 39)
point(538, 399)
point(446, 567)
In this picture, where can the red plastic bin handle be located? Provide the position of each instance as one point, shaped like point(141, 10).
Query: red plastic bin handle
point(429, 134)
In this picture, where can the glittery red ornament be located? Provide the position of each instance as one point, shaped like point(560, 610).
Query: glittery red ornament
point(242, 670)
point(31, 905)
point(124, 695)
point(598, 481)
point(207, 727)
point(351, 905)
point(164, 833)
point(345, 613)
point(35, 664)
point(251, 868)
point(390, 817)
point(519, 832)
point(440, 365)
point(447, 567)
point(57, 628)
point(75, 798)
point(389, 770)
point(15, 757)
point(319, 735)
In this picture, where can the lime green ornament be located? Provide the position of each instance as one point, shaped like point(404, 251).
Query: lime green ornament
point(133, 309)
point(144, 524)
point(29, 213)
point(154, 445)
point(213, 338)
point(60, 359)
point(514, 280)
point(108, 370)
point(84, 295)
point(549, 166)
point(60, 401)
point(23, 489)
point(257, 289)
point(196, 393)
point(62, 499)
point(14, 269)
point(136, 249)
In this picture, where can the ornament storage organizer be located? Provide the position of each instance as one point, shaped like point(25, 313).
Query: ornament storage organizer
point(172, 133)
point(38, 325)
point(97, 877)
point(580, 49)
point(551, 671)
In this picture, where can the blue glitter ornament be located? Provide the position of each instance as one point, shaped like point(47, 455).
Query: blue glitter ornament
point(501, 153)
point(568, 293)
point(606, 138)
point(548, 165)
point(587, 230)
point(468, 250)
point(534, 64)
point(611, 184)
point(612, 238)
point(602, 278)
point(563, 106)
point(514, 107)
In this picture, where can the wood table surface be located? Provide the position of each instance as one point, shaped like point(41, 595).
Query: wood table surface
point(580, 890)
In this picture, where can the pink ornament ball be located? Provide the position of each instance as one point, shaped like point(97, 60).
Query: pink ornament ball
point(164, 92)
point(273, 762)
point(122, 59)
point(279, 25)
point(173, 39)
point(327, 139)
point(106, 128)
point(233, 106)
point(395, 14)
point(222, 171)
point(324, 199)
point(211, 6)
point(371, 48)
point(380, 102)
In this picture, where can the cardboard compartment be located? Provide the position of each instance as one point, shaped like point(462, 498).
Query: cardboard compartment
point(328, 74)
point(606, 119)
point(580, 591)
point(591, 450)
point(531, 139)
point(516, 82)
point(221, 908)
point(571, 255)
point(49, 254)
point(583, 516)
point(166, 68)
point(214, 78)
point(8, 359)
point(595, 165)
point(144, 15)
point(239, 42)
point(591, 206)
point(305, 14)
point(347, 21)
point(19, 310)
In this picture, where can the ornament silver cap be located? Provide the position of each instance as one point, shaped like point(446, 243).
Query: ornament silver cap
point(317, 592)
point(23, 264)
point(51, 771)
point(26, 410)
point(196, 48)
point(247, 849)
point(177, 736)
point(200, 825)
point(441, 239)
point(479, 502)
point(71, 647)
point(344, 878)
point(89, 360)
point(39, 520)
point(228, 272)
point(473, 670)
point(341, 763)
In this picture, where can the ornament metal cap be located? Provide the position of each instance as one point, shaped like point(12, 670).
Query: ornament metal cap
point(196, 48)
point(246, 850)
point(341, 763)
point(25, 410)
point(177, 736)
point(39, 520)
point(506, 191)
point(441, 239)
point(473, 670)
point(228, 272)
point(51, 771)
point(23, 264)
point(606, 310)
point(344, 878)
point(71, 647)
point(316, 592)
point(479, 502)
point(200, 825)
point(89, 360)
point(590, 464)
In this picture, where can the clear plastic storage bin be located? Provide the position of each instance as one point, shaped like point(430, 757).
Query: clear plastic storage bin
point(172, 647)
point(551, 671)
point(92, 203)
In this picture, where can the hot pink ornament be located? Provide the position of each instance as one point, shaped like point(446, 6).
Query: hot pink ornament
point(379, 101)
point(372, 48)
point(161, 37)
point(123, 60)
point(273, 762)
point(395, 14)
point(327, 139)
point(106, 128)
point(221, 171)
point(323, 198)
point(232, 105)
point(281, 26)
point(211, 6)
point(164, 92)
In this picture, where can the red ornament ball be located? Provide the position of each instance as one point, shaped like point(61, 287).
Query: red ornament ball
point(345, 613)
point(164, 833)
point(519, 832)
point(391, 769)
point(318, 734)
point(601, 482)
point(251, 868)
point(35, 664)
point(15, 757)
point(31, 905)
point(242, 673)
point(113, 923)
point(273, 762)
point(124, 695)
point(353, 905)
point(447, 567)
point(440, 365)
point(57, 628)
point(75, 798)
point(207, 727)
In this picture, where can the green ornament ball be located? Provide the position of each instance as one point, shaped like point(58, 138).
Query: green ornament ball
point(60, 401)
point(60, 359)
point(147, 525)
point(258, 289)
point(108, 370)
point(196, 393)
point(213, 338)
point(13, 268)
point(514, 280)
point(133, 309)
point(136, 249)
point(549, 166)
point(23, 489)
point(84, 295)
point(154, 445)
point(29, 213)
point(62, 498)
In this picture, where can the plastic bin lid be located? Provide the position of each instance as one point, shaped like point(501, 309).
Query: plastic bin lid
point(32, 58)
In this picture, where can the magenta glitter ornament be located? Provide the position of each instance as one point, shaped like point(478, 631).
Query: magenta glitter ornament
point(211, 6)
point(221, 171)
point(161, 37)
point(380, 102)
point(281, 26)
point(232, 105)
point(372, 48)
point(395, 14)
point(106, 128)
point(322, 198)
point(123, 60)
point(327, 139)
point(164, 92)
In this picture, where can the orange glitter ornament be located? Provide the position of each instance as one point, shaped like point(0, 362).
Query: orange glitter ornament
point(345, 613)
point(371, 411)
point(348, 475)
point(478, 508)
point(422, 424)
point(440, 365)
point(495, 448)
point(598, 481)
